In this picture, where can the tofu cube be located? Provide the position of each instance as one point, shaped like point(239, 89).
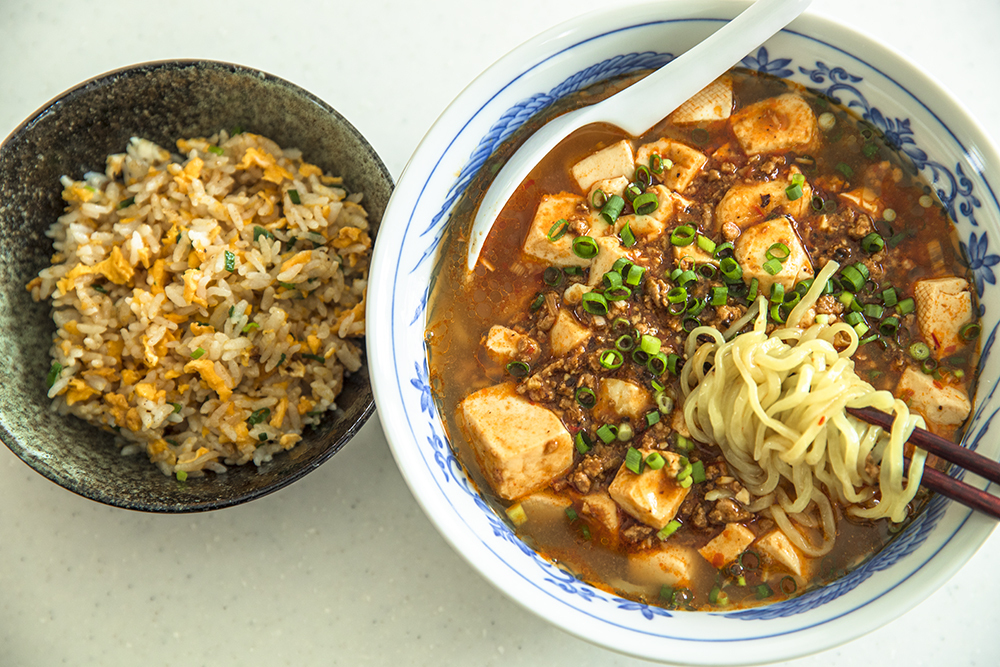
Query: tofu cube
point(545, 507)
point(944, 306)
point(780, 549)
point(714, 102)
point(941, 405)
point(751, 248)
point(864, 199)
point(624, 398)
point(686, 161)
point(669, 564)
point(653, 496)
point(567, 333)
point(776, 124)
point(727, 545)
point(503, 345)
point(601, 509)
point(746, 204)
point(610, 250)
point(611, 162)
point(521, 447)
point(550, 210)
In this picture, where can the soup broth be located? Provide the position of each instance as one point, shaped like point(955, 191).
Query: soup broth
point(572, 327)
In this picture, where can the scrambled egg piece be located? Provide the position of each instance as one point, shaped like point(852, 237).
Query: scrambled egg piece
point(301, 257)
point(79, 391)
point(114, 268)
point(191, 277)
point(206, 368)
point(273, 172)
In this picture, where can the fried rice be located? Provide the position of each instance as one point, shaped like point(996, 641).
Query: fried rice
point(208, 304)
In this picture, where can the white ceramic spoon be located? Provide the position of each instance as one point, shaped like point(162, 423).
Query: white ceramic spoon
point(641, 105)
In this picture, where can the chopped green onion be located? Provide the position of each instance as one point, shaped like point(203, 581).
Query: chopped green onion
point(872, 243)
point(657, 364)
point(177, 408)
point(125, 203)
point(537, 302)
point(906, 306)
point(259, 231)
point(230, 260)
point(888, 327)
point(557, 230)
point(723, 249)
point(686, 277)
point(608, 433)
point(731, 269)
point(652, 417)
point(100, 288)
point(250, 326)
point(778, 251)
point(798, 179)
point(682, 236)
point(53, 375)
point(752, 290)
point(777, 293)
point(571, 514)
point(631, 192)
point(873, 311)
point(627, 237)
point(518, 369)
point(599, 198)
point(854, 318)
point(612, 209)
point(664, 403)
point(853, 277)
point(619, 293)
point(314, 357)
point(707, 271)
point(294, 196)
point(889, 297)
point(621, 265)
point(674, 364)
point(793, 192)
point(971, 331)
point(552, 276)
point(649, 344)
point(612, 279)
point(646, 203)
point(634, 275)
point(583, 442)
point(656, 163)
point(182, 476)
point(684, 444)
point(595, 303)
point(920, 351)
point(787, 585)
point(625, 432)
point(706, 244)
point(258, 416)
point(720, 294)
point(198, 353)
point(772, 266)
point(585, 247)
point(611, 359)
point(572, 271)
point(625, 343)
point(655, 461)
point(668, 529)
point(763, 592)
point(642, 176)
point(845, 169)
point(698, 472)
point(586, 397)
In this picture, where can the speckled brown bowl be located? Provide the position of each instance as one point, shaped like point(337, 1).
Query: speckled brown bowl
point(73, 134)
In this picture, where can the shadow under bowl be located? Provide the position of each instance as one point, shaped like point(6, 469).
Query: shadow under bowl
point(74, 134)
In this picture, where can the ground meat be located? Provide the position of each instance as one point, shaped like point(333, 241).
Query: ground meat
point(591, 469)
point(638, 533)
point(656, 292)
point(829, 305)
point(728, 510)
point(698, 518)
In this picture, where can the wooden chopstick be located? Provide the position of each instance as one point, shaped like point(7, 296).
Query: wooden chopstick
point(937, 481)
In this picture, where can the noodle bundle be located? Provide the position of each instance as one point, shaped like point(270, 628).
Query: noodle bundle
point(775, 405)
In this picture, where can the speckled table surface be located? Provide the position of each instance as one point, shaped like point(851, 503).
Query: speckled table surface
point(343, 567)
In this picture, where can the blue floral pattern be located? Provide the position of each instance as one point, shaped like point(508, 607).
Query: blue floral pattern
point(954, 189)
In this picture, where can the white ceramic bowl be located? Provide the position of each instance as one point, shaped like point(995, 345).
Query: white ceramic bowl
point(951, 152)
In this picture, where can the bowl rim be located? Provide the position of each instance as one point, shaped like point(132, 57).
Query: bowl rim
point(368, 403)
point(548, 44)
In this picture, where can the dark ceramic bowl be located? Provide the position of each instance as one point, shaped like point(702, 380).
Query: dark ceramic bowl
point(73, 134)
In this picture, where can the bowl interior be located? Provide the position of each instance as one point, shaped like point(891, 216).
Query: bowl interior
point(919, 118)
point(74, 134)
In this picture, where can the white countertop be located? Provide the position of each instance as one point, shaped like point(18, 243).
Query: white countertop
point(343, 568)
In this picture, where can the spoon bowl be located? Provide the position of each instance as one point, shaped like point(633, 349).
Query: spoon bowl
point(640, 106)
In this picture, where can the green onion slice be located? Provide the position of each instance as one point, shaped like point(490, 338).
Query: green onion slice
point(608, 433)
point(599, 198)
point(230, 260)
point(872, 243)
point(552, 276)
point(625, 343)
point(919, 351)
point(53, 375)
point(778, 251)
point(125, 203)
point(612, 209)
point(294, 196)
point(518, 369)
point(557, 230)
point(646, 203)
point(583, 442)
point(627, 237)
point(198, 353)
point(585, 247)
point(683, 235)
point(971, 331)
point(595, 303)
point(655, 461)
point(611, 359)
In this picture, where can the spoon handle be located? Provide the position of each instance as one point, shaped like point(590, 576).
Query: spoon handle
point(659, 93)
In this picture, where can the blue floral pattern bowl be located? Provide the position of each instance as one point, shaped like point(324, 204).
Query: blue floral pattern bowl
point(956, 160)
